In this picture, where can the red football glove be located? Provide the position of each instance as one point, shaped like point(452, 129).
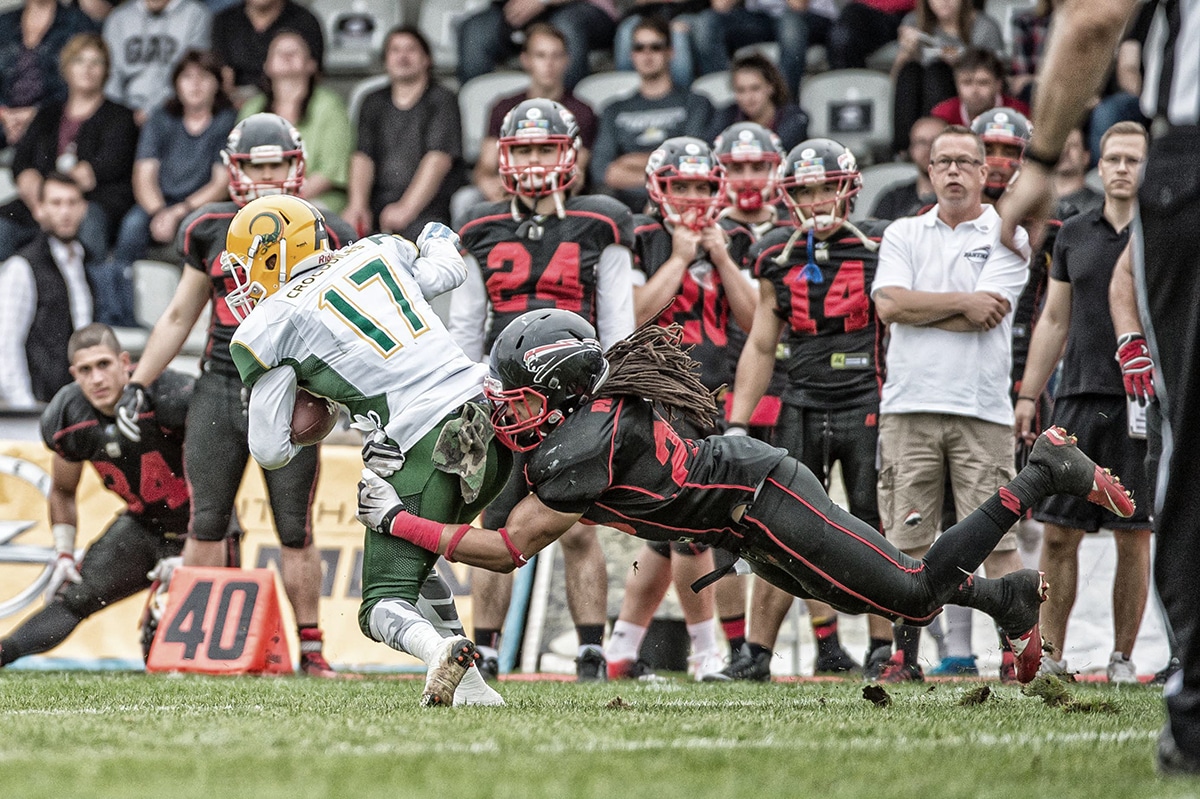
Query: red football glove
point(1137, 370)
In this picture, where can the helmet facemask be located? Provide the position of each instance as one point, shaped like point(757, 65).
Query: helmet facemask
point(243, 189)
point(254, 274)
point(750, 192)
point(817, 215)
point(541, 179)
point(1003, 162)
point(680, 207)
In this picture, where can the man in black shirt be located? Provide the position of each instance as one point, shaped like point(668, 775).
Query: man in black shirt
point(603, 451)
point(242, 33)
point(1091, 401)
point(80, 426)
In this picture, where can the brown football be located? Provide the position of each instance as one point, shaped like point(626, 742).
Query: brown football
point(313, 418)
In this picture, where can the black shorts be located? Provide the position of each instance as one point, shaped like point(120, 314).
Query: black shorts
point(115, 565)
point(1100, 423)
point(215, 458)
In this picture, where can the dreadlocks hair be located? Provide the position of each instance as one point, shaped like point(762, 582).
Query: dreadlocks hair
point(651, 364)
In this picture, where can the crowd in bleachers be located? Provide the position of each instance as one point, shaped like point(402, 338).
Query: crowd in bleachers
point(130, 103)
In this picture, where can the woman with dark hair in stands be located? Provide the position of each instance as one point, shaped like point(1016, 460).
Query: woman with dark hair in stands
point(178, 167)
point(291, 88)
point(761, 95)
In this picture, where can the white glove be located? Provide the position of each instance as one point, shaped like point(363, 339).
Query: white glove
point(377, 501)
point(163, 571)
point(436, 231)
point(64, 571)
point(133, 403)
point(382, 456)
point(735, 429)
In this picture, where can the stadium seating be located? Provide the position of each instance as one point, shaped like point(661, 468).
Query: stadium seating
point(354, 33)
point(717, 87)
point(1003, 11)
point(601, 88)
point(878, 179)
point(154, 285)
point(1093, 180)
point(853, 106)
point(475, 101)
point(360, 92)
point(438, 21)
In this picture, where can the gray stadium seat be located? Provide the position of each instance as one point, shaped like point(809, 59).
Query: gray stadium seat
point(717, 87)
point(853, 106)
point(154, 285)
point(878, 179)
point(475, 101)
point(1093, 180)
point(601, 88)
point(439, 22)
point(359, 93)
point(1003, 11)
point(354, 32)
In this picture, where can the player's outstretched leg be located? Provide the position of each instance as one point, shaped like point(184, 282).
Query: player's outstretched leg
point(1014, 601)
point(447, 670)
point(1072, 472)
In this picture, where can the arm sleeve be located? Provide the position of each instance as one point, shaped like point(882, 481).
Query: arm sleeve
point(271, 404)
point(17, 305)
point(895, 266)
point(468, 311)
point(614, 295)
point(436, 273)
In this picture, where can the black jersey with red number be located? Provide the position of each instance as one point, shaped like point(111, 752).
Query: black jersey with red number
point(147, 474)
point(200, 242)
point(831, 331)
point(700, 305)
point(543, 262)
point(620, 464)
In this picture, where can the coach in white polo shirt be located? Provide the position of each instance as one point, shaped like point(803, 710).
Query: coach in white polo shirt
point(947, 286)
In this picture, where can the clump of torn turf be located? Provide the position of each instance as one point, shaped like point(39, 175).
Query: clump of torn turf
point(877, 696)
point(1051, 690)
point(976, 696)
point(617, 703)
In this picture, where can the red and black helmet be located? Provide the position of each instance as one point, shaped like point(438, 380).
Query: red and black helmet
point(685, 159)
point(750, 142)
point(1009, 128)
point(821, 162)
point(539, 121)
point(263, 139)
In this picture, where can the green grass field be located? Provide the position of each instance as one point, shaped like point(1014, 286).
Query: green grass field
point(119, 735)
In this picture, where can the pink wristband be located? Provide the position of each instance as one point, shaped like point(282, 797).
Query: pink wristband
point(454, 539)
point(518, 559)
point(414, 529)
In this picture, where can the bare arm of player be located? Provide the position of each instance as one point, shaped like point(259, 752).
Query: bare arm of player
point(172, 328)
point(1122, 301)
point(757, 361)
point(614, 295)
point(1045, 349)
point(1075, 63)
point(270, 418)
point(468, 312)
point(64, 480)
point(660, 290)
point(739, 291)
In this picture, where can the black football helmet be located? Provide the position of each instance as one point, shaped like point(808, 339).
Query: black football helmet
point(1009, 129)
point(539, 121)
point(263, 139)
point(684, 159)
point(545, 364)
point(820, 162)
point(749, 142)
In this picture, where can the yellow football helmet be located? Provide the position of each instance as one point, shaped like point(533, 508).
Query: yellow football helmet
point(270, 241)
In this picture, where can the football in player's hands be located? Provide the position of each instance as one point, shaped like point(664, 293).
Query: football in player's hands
point(313, 418)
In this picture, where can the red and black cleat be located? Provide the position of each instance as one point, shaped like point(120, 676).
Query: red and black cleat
point(1073, 472)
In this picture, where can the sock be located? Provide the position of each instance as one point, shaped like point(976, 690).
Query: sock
point(42, 631)
point(311, 639)
point(590, 634)
point(758, 649)
point(826, 632)
point(958, 631)
point(734, 628)
point(908, 641)
point(486, 636)
point(1029, 487)
point(704, 637)
point(989, 596)
point(423, 641)
point(625, 642)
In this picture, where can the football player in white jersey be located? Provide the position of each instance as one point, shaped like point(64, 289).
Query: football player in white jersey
point(354, 326)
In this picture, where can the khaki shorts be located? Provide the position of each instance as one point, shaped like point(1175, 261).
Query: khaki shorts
point(915, 449)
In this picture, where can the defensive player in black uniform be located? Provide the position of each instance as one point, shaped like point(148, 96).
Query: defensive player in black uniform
point(813, 281)
point(542, 248)
point(603, 453)
point(79, 425)
point(264, 155)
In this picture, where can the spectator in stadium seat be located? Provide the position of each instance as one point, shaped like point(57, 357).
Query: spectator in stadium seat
point(679, 15)
point(46, 297)
point(544, 59)
point(728, 24)
point(178, 167)
point(979, 87)
point(907, 199)
point(400, 182)
point(630, 129)
point(147, 38)
point(292, 90)
point(863, 27)
point(488, 38)
point(761, 95)
point(931, 40)
point(31, 38)
point(241, 35)
point(93, 140)
point(153, 524)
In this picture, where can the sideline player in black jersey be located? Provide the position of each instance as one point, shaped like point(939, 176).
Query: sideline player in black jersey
point(80, 427)
point(812, 281)
point(264, 155)
point(603, 453)
point(541, 248)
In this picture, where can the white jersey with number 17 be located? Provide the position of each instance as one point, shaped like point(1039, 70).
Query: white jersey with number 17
point(360, 331)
